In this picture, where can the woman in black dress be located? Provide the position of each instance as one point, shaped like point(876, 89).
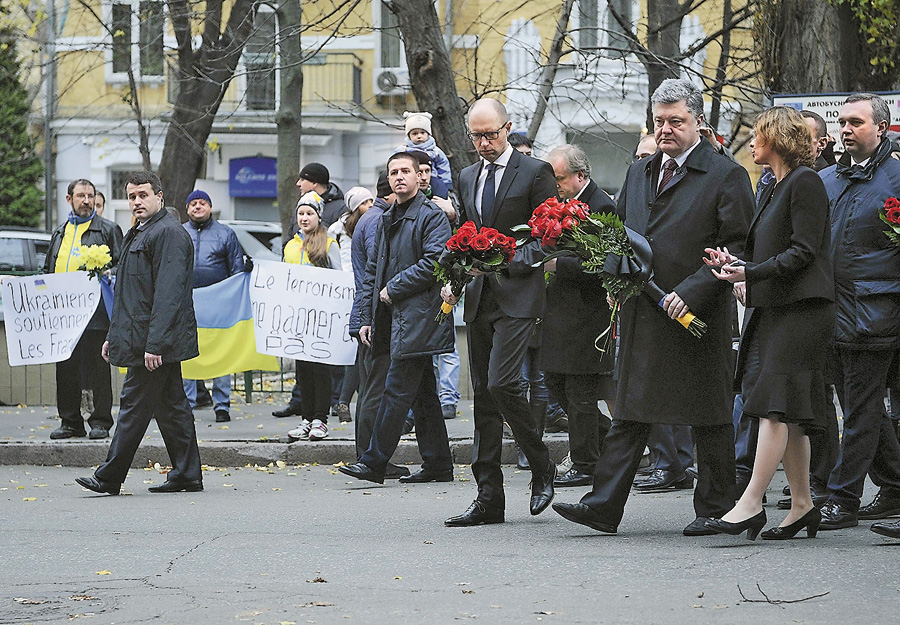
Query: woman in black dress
point(786, 282)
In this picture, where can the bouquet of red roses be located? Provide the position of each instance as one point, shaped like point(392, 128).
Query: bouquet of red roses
point(622, 257)
point(487, 250)
point(890, 214)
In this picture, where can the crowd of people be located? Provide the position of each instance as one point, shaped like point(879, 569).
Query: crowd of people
point(803, 257)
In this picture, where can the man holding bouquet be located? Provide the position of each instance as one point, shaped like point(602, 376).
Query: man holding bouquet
point(85, 368)
point(500, 191)
point(683, 199)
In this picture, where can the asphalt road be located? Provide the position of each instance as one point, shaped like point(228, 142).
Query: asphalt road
point(302, 544)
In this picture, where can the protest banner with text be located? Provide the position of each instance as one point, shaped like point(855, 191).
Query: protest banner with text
point(46, 314)
point(302, 312)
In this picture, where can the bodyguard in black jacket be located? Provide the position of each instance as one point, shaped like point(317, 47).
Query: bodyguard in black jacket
point(153, 329)
point(397, 306)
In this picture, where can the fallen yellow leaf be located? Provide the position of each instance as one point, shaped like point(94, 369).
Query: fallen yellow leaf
point(104, 572)
point(29, 498)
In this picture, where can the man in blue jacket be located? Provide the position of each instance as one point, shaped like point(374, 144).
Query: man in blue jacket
point(867, 305)
point(397, 305)
point(217, 255)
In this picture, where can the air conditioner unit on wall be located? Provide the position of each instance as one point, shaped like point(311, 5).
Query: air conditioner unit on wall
point(390, 81)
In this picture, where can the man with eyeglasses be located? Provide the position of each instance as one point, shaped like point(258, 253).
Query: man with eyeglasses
point(501, 190)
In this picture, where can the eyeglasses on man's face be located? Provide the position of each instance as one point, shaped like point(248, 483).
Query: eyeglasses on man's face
point(491, 135)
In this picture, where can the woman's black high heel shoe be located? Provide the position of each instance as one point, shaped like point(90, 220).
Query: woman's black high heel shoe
point(810, 521)
point(753, 525)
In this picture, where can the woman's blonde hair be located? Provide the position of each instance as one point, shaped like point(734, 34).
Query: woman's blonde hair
point(783, 129)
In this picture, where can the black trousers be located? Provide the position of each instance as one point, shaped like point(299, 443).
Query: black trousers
point(621, 455)
point(497, 346)
point(410, 386)
point(824, 446)
point(85, 363)
point(869, 444)
point(146, 395)
point(672, 447)
point(314, 381)
point(578, 395)
point(372, 378)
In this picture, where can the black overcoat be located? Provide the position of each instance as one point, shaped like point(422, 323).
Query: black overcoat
point(153, 309)
point(577, 312)
point(666, 375)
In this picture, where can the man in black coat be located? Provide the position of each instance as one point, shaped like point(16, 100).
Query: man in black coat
point(152, 330)
point(577, 373)
point(83, 227)
point(397, 306)
point(683, 199)
point(502, 190)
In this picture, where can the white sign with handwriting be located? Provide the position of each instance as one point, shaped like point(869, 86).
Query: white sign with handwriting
point(302, 312)
point(46, 315)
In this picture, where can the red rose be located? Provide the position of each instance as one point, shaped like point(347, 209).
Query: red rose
point(464, 239)
point(481, 243)
point(540, 211)
point(548, 241)
point(891, 202)
point(490, 233)
point(893, 214)
point(469, 226)
point(568, 223)
point(582, 211)
point(453, 244)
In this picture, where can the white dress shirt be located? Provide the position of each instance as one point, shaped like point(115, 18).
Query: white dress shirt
point(679, 160)
point(501, 163)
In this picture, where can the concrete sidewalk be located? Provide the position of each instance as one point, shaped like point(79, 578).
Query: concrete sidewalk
point(253, 436)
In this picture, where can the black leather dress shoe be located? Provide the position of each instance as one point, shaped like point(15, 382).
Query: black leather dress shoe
point(521, 460)
point(98, 433)
point(104, 488)
point(176, 486)
point(692, 472)
point(891, 530)
point(664, 480)
point(476, 514)
point(819, 497)
point(585, 515)
point(698, 527)
point(395, 471)
point(288, 411)
point(66, 432)
point(573, 477)
point(835, 518)
point(883, 506)
point(362, 472)
point(542, 490)
point(422, 475)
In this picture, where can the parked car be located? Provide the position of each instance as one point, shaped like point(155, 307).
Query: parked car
point(22, 252)
point(260, 240)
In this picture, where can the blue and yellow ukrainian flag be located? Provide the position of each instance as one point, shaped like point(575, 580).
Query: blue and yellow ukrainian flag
point(225, 332)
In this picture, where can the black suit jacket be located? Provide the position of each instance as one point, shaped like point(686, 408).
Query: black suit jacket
point(526, 182)
point(789, 246)
point(666, 375)
point(577, 312)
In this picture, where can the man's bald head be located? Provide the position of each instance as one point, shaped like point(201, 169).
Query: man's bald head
point(489, 128)
point(489, 106)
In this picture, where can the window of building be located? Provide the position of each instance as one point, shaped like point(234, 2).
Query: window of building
point(391, 46)
point(117, 183)
point(598, 28)
point(259, 63)
point(137, 29)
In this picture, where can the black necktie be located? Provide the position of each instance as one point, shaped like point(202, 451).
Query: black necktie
point(487, 195)
point(668, 174)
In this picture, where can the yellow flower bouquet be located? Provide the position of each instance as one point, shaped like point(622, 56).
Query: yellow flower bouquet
point(95, 259)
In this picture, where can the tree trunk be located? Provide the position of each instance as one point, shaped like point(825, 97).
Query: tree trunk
point(664, 45)
point(548, 74)
point(721, 67)
point(433, 80)
point(203, 76)
point(289, 118)
point(811, 34)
